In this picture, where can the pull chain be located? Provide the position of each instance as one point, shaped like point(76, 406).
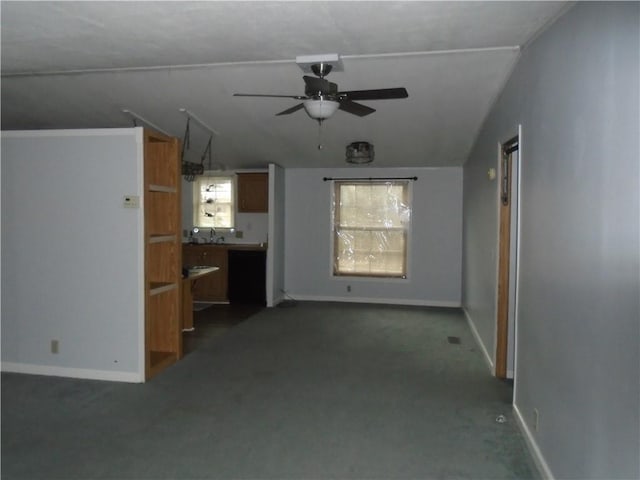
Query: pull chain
point(320, 134)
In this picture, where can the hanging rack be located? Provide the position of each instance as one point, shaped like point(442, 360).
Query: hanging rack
point(207, 152)
point(135, 117)
point(191, 169)
point(193, 116)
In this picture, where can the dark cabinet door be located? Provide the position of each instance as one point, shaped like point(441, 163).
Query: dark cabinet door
point(247, 277)
point(253, 192)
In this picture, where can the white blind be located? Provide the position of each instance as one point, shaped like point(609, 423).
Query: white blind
point(371, 221)
point(213, 202)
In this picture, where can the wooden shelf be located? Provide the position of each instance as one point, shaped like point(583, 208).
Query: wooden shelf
point(163, 238)
point(163, 252)
point(161, 211)
point(162, 189)
point(157, 288)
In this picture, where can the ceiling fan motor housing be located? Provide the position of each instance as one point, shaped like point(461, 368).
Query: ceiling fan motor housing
point(319, 87)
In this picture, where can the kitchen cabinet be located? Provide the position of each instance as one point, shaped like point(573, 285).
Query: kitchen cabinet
point(163, 262)
point(247, 276)
point(211, 288)
point(191, 278)
point(253, 192)
point(249, 281)
point(187, 305)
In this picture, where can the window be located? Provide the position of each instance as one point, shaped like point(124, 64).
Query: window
point(213, 202)
point(371, 223)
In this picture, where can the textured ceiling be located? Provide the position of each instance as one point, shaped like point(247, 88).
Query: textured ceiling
point(78, 64)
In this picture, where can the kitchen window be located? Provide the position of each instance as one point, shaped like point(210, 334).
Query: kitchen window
point(213, 202)
point(371, 221)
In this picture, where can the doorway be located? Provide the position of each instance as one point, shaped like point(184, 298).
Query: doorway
point(507, 259)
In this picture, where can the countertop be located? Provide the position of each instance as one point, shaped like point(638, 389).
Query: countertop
point(195, 273)
point(231, 246)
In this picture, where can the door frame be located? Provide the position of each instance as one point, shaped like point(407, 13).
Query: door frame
point(508, 251)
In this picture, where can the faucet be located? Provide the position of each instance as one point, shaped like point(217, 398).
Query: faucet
point(212, 235)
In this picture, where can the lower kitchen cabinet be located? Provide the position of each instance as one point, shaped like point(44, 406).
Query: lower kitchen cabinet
point(247, 276)
point(242, 274)
point(210, 288)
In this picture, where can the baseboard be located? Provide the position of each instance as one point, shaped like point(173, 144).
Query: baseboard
point(532, 445)
point(479, 341)
point(276, 300)
point(87, 374)
point(387, 301)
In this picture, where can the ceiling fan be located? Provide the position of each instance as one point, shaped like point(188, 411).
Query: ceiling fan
point(322, 98)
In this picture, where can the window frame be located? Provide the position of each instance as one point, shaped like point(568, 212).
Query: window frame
point(406, 229)
point(195, 204)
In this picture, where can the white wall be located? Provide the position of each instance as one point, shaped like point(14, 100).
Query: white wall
point(72, 256)
point(575, 92)
point(276, 250)
point(434, 244)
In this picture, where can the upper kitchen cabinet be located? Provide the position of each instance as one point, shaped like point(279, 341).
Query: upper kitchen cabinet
point(253, 192)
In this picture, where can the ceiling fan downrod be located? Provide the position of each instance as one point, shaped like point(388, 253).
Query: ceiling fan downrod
point(321, 69)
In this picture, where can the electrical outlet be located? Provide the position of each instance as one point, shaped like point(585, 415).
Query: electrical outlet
point(348, 288)
point(55, 346)
point(239, 234)
point(536, 418)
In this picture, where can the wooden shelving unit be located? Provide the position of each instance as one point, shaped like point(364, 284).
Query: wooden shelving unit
point(163, 252)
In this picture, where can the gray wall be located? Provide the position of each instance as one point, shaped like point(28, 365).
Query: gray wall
point(434, 244)
point(276, 250)
point(72, 256)
point(575, 92)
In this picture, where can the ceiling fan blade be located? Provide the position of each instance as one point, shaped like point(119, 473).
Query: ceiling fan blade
point(355, 108)
point(379, 94)
point(297, 97)
point(315, 86)
point(291, 110)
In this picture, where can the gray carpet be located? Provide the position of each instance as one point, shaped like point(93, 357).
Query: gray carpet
point(318, 391)
point(199, 306)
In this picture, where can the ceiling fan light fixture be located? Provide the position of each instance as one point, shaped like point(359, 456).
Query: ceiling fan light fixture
point(320, 108)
